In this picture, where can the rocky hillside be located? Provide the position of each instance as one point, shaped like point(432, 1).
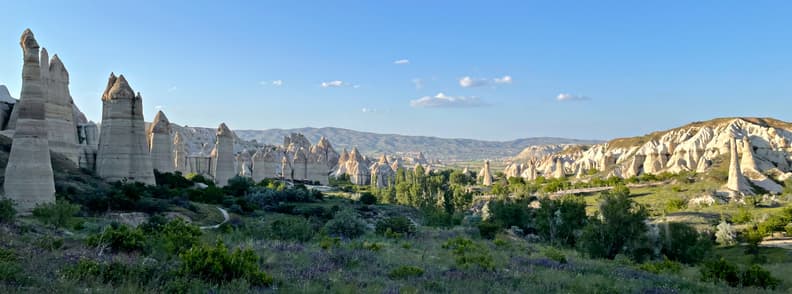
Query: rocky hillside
point(435, 148)
point(764, 144)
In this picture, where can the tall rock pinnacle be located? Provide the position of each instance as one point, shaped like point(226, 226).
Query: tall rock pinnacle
point(61, 127)
point(485, 175)
point(223, 156)
point(160, 144)
point(123, 152)
point(29, 178)
point(737, 182)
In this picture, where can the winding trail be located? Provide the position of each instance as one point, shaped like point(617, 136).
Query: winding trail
point(225, 220)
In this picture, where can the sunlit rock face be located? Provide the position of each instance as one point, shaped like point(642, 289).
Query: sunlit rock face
point(161, 144)
point(29, 178)
point(123, 152)
point(179, 154)
point(223, 156)
point(267, 163)
point(382, 174)
point(485, 175)
point(61, 125)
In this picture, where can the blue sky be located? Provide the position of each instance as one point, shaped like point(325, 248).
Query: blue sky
point(624, 68)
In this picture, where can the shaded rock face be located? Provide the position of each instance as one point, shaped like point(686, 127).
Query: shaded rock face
point(61, 127)
point(751, 171)
point(267, 163)
point(558, 171)
point(29, 179)
point(88, 138)
point(737, 182)
point(179, 154)
point(485, 175)
point(299, 164)
point(382, 175)
point(161, 144)
point(123, 152)
point(529, 171)
point(244, 164)
point(6, 106)
point(223, 156)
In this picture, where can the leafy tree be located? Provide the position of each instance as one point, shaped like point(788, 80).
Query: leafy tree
point(346, 224)
point(7, 211)
point(558, 221)
point(681, 242)
point(618, 227)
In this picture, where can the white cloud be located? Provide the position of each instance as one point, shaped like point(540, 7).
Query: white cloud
point(418, 83)
point(158, 107)
point(504, 80)
point(368, 110)
point(356, 86)
point(571, 97)
point(277, 83)
point(333, 84)
point(442, 100)
point(402, 61)
point(468, 82)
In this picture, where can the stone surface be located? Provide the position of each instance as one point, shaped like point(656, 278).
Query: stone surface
point(485, 175)
point(160, 144)
point(382, 175)
point(29, 178)
point(558, 170)
point(61, 127)
point(123, 152)
point(513, 170)
point(737, 182)
point(267, 163)
point(179, 154)
point(223, 156)
point(357, 168)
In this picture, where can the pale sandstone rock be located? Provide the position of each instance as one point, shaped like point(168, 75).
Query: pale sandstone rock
point(29, 177)
point(358, 168)
point(244, 164)
point(223, 156)
point(161, 144)
point(737, 182)
point(382, 174)
point(123, 152)
point(267, 163)
point(61, 127)
point(513, 170)
point(751, 171)
point(300, 164)
point(179, 154)
point(485, 175)
point(558, 171)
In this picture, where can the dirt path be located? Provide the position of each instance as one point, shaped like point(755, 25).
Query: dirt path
point(225, 220)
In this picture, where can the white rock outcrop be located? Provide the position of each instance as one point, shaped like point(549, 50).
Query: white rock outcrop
point(382, 175)
point(179, 154)
point(123, 152)
point(485, 175)
point(160, 144)
point(29, 179)
point(61, 125)
point(267, 163)
point(737, 182)
point(223, 156)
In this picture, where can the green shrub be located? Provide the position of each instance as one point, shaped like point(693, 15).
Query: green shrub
point(346, 224)
point(681, 242)
point(664, 266)
point(405, 272)
point(618, 228)
point(488, 230)
point(676, 204)
point(11, 273)
point(114, 273)
point(329, 242)
point(395, 226)
point(367, 198)
point(467, 253)
point(216, 264)
point(743, 216)
point(118, 238)
point(49, 243)
point(7, 211)
point(510, 213)
point(555, 255)
point(289, 228)
point(558, 221)
point(239, 186)
point(756, 276)
point(178, 236)
point(720, 270)
point(58, 214)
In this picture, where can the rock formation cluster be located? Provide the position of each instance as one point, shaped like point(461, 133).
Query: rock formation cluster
point(29, 178)
point(382, 174)
point(123, 152)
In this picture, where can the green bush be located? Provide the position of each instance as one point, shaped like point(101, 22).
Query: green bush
point(289, 228)
point(119, 238)
point(7, 211)
point(510, 213)
point(216, 264)
point(346, 224)
point(676, 204)
point(743, 216)
point(58, 214)
point(329, 243)
point(618, 228)
point(178, 236)
point(681, 242)
point(405, 272)
point(11, 273)
point(367, 198)
point(467, 254)
point(395, 226)
point(488, 230)
point(756, 276)
point(114, 273)
point(239, 186)
point(559, 221)
point(720, 270)
point(555, 255)
point(664, 266)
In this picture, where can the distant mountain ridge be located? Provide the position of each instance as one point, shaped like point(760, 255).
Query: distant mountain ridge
point(436, 148)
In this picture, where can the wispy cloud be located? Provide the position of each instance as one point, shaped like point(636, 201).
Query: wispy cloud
point(442, 100)
point(468, 82)
point(471, 82)
point(275, 83)
point(402, 61)
point(368, 110)
point(333, 84)
point(158, 107)
point(504, 80)
point(566, 97)
point(172, 89)
point(418, 83)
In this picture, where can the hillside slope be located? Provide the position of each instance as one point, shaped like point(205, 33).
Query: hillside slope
point(434, 147)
